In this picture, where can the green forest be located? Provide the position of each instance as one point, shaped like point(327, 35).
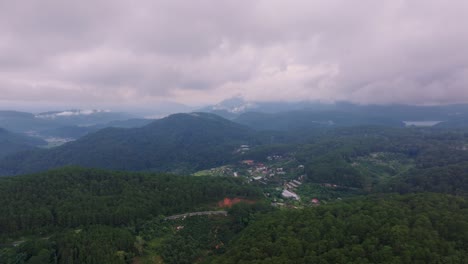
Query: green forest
point(417, 228)
point(234, 132)
point(73, 197)
point(12, 143)
point(387, 195)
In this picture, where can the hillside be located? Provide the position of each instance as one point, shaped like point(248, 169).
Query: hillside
point(120, 217)
point(423, 228)
point(75, 132)
point(22, 122)
point(12, 143)
point(28, 122)
point(305, 119)
point(71, 197)
point(348, 114)
point(180, 142)
point(76, 215)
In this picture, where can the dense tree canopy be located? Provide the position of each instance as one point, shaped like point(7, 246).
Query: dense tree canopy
point(76, 215)
point(423, 228)
point(11, 143)
point(178, 143)
point(73, 197)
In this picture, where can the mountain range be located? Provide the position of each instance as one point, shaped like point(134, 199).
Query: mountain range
point(300, 115)
point(347, 163)
point(194, 141)
point(29, 122)
point(178, 143)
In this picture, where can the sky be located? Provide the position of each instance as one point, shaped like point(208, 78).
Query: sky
point(156, 52)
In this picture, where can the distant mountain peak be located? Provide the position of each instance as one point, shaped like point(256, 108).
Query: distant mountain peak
point(197, 117)
point(233, 105)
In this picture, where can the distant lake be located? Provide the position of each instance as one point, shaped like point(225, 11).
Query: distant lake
point(421, 123)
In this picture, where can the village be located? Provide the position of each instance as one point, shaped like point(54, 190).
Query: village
point(280, 176)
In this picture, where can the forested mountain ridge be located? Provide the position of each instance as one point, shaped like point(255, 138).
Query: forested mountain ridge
point(118, 217)
point(26, 122)
point(11, 142)
point(75, 132)
point(180, 142)
point(347, 114)
point(21, 121)
point(237, 106)
point(306, 119)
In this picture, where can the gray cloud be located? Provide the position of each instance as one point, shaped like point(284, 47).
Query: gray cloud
point(389, 51)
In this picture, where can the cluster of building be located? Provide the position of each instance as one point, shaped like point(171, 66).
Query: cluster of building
point(289, 187)
point(243, 149)
point(259, 171)
point(292, 184)
point(223, 171)
point(274, 157)
point(290, 194)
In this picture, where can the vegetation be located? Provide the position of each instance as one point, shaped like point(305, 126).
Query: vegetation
point(450, 179)
point(368, 195)
point(27, 122)
point(75, 131)
point(73, 197)
point(423, 228)
point(372, 157)
point(311, 191)
point(12, 143)
point(91, 244)
point(342, 114)
point(180, 143)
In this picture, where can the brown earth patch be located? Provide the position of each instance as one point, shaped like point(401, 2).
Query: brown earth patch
point(229, 202)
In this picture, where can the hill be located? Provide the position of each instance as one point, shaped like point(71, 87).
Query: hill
point(28, 122)
point(75, 132)
point(180, 142)
point(75, 215)
point(355, 115)
point(70, 197)
point(423, 228)
point(12, 143)
point(305, 119)
point(22, 122)
point(82, 117)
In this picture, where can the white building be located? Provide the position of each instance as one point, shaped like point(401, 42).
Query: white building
point(289, 194)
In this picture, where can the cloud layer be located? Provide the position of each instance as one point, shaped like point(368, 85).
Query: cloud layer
point(142, 52)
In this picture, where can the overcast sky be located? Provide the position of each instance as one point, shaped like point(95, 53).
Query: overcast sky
point(194, 52)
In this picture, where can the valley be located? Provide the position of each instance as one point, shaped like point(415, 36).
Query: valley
point(142, 209)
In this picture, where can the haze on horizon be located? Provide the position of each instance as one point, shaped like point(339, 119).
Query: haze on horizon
point(145, 53)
